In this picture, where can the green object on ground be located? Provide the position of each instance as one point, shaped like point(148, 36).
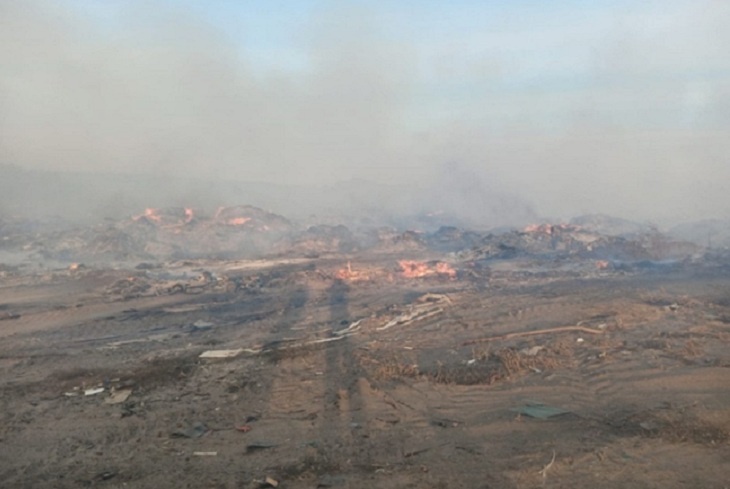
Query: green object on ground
point(539, 410)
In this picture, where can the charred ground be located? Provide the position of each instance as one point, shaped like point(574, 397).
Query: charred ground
point(368, 357)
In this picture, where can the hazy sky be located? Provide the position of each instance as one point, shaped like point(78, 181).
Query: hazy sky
point(572, 106)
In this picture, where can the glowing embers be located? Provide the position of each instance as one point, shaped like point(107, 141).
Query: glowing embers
point(547, 228)
point(249, 217)
point(421, 269)
point(151, 215)
point(168, 217)
point(409, 269)
point(238, 221)
point(349, 274)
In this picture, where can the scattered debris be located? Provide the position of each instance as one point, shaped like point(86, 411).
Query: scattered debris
point(118, 397)
point(292, 344)
point(413, 453)
point(106, 475)
point(201, 325)
point(287, 304)
point(196, 430)
point(445, 423)
point(130, 409)
point(562, 329)
point(352, 328)
point(256, 446)
point(547, 467)
point(221, 353)
point(427, 306)
point(539, 410)
point(531, 352)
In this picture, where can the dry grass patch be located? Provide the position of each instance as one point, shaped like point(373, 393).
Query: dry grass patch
point(678, 425)
point(390, 367)
point(486, 367)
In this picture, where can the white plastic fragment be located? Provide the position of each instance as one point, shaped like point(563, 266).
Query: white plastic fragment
point(221, 353)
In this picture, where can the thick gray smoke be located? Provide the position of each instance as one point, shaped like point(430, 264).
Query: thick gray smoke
point(624, 111)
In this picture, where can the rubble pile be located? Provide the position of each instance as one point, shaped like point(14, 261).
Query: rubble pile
point(452, 239)
point(169, 233)
point(569, 240)
point(247, 232)
point(152, 282)
point(170, 217)
point(252, 218)
point(392, 240)
point(421, 269)
point(324, 238)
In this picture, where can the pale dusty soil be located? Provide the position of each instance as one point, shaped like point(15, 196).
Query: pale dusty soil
point(407, 406)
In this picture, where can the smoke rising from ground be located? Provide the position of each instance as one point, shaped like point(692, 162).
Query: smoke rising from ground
point(622, 110)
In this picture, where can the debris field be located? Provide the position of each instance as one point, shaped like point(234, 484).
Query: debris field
point(238, 350)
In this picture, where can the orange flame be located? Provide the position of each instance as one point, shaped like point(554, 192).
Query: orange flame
point(419, 269)
point(152, 214)
point(546, 228)
point(167, 219)
point(238, 221)
point(351, 275)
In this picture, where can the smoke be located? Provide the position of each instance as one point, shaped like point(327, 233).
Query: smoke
point(164, 93)
point(551, 111)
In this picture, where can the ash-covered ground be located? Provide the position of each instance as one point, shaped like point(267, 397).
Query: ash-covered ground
point(236, 348)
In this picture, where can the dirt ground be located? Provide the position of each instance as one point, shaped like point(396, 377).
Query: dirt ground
point(379, 381)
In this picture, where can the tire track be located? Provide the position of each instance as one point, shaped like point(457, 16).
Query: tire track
point(63, 318)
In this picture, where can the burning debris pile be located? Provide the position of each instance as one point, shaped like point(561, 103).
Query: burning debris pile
point(163, 234)
point(352, 274)
point(246, 232)
point(420, 269)
point(330, 332)
point(406, 269)
point(171, 217)
point(148, 283)
point(251, 218)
